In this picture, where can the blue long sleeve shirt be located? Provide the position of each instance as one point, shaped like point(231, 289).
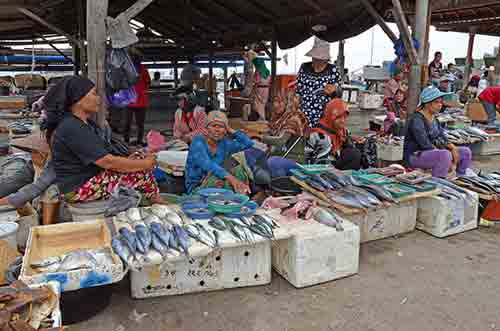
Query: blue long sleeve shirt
point(201, 161)
point(422, 136)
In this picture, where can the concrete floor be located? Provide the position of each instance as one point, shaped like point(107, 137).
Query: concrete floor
point(414, 282)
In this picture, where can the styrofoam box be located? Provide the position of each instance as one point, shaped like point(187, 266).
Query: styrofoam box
point(316, 253)
point(389, 152)
point(441, 217)
point(229, 267)
point(370, 101)
point(490, 147)
point(386, 222)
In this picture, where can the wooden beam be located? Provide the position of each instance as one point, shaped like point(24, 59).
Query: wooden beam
point(469, 60)
point(135, 9)
point(402, 24)
point(379, 19)
point(97, 11)
point(15, 25)
point(43, 22)
point(313, 4)
point(82, 53)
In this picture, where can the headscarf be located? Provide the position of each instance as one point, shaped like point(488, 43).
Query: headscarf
point(186, 93)
point(333, 110)
point(261, 68)
point(292, 120)
point(61, 97)
point(217, 117)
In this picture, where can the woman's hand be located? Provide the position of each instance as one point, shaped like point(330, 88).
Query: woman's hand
point(330, 89)
point(151, 162)
point(454, 154)
point(238, 186)
point(230, 130)
point(4, 201)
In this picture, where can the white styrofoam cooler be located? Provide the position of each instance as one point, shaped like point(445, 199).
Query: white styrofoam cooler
point(490, 147)
point(441, 217)
point(391, 153)
point(386, 222)
point(316, 253)
point(370, 101)
point(229, 267)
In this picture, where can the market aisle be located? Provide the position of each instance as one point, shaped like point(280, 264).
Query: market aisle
point(414, 283)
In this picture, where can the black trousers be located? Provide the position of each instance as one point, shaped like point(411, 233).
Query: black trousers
point(140, 117)
point(350, 159)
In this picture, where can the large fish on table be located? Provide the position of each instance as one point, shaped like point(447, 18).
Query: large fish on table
point(371, 198)
point(328, 218)
point(182, 239)
point(345, 199)
point(378, 191)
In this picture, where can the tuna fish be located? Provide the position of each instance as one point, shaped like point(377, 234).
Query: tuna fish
point(182, 239)
point(161, 232)
point(327, 217)
point(130, 239)
point(217, 223)
point(144, 237)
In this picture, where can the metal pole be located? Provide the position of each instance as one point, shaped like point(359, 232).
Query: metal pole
point(469, 61)
point(497, 68)
point(341, 58)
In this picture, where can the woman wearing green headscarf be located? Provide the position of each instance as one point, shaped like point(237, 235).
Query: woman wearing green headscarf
point(260, 84)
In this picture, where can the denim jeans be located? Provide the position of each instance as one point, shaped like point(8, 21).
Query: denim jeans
point(491, 110)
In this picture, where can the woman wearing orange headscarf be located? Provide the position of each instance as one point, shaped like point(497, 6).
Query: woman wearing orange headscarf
point(333, 126)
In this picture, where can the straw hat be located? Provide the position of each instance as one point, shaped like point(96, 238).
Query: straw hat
point(320, 50)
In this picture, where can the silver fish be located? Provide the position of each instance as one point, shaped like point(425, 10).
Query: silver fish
point(46, 262)
point(161, 210)
point(134, 215)
point(130, 239)
point(326, 217)
point(161, 232)
point(182, 239)
point(158, 245)
point(81, 259)
point(152, 219)
point(143, 236)
point(217, 223)
point(345, 199)
point(369, 196)
point(121, 249)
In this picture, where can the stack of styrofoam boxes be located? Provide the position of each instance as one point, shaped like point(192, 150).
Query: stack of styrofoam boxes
point(391, 153)
point(386, 222)
point(442, 217)
point(229, 267)
point(316, 253)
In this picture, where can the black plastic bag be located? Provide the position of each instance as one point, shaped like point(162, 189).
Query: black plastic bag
point(121, 73)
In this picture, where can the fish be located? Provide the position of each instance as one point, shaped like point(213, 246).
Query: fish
point(204, 232)
point(182, 239)
point(151, 219)
point(315, 185)
point(323, 182)
point(122, 217)
point(442, 182)
point(345, 199)
point(161, 211)
point(378, 191)
point(218, 224)
point(174, 219)
point(338, 177)
point(121, 249)
point(217, 238)
point(143, 237)
point(264, 219)
point(239, 222)
point(362, 199)
point(234, 229)
point(80, 259)
point(260, 230)
point(130, 239)
point(369, 196)
point(53, 260)
point(158, 245)
point(248, 235)
point(328, 218)
point(161, 233)
point(134, 215)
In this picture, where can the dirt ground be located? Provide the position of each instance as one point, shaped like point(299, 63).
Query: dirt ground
point(414, 282)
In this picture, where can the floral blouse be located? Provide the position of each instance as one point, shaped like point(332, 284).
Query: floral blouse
point(310, 86)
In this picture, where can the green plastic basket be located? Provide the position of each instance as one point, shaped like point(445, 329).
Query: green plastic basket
point(374, 179)
point(399, 190)
point(314, 169)
point(228, 204)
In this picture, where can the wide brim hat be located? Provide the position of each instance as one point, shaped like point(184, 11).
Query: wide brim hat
point(320, 50)
point(430, 94)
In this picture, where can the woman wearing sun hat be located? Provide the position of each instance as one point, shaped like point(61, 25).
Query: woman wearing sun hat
point(426, 145)
point(317, 82)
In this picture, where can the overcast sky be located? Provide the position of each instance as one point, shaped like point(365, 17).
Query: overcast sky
point(358, 49)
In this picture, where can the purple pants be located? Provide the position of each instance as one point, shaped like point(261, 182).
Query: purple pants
point(439, 160)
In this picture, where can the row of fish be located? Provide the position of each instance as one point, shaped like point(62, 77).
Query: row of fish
point(348, 191)
point(76, 260)
point(482, 183)
point(451, 191)
point(467, 135)
point(163, 230)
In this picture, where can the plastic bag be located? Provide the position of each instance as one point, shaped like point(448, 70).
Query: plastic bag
point(122, 98)
point(121, 73)
point(156, 141)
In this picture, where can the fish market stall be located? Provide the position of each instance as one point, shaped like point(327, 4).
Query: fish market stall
point(454, 210)
point(383, 202)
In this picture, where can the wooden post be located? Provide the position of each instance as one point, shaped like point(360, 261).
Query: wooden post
point(81, 29)
point(76, 56)
point(402, 24)
point(97, 11)
point(274, 53)
point(210, 73)
point(497, 68)
point(379, 19)
point(341, 59)
point(225, 79)
point(468, 60)
point(176, 74)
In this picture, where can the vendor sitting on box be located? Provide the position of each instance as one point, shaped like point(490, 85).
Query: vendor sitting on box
point(426, 145)
point(190, 118)
point(85, 168)
point(210, 157)
point(333, 125)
